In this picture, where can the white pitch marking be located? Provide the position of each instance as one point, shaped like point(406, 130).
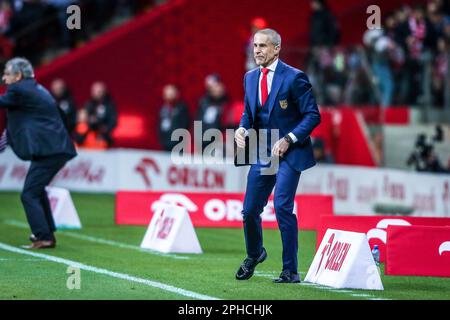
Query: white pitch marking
point(11, 259)
point(123, 276)
point(102, 241)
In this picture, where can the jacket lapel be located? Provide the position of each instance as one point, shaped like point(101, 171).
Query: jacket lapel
point(253, 91)
point(276, 85)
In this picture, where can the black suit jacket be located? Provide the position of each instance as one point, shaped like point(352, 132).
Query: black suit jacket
point(35, 127)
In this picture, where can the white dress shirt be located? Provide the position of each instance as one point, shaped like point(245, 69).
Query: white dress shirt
point(272, 67)
point(270, 75)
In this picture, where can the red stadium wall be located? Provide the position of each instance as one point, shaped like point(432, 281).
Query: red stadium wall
point(182, 42)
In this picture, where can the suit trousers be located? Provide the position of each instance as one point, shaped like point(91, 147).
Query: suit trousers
point(34, 197)
point(259, 188)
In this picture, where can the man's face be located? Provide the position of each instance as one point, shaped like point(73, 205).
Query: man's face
point(170, 93)
point(264, 51)
point(9, 77)
point(98, 90)
point(58, 88)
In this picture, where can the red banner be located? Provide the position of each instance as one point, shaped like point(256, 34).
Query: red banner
point(418, 251)
point(215, 209)
point(374, 226)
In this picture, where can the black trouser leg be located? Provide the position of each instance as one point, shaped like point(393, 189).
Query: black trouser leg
point(37, 210)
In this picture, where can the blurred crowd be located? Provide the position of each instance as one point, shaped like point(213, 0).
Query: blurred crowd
point(32, 28)
point(92, 125)
point(215, 110)
point(390, 67)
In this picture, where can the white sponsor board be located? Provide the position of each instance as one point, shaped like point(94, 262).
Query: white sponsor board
point(356, 190)
point(63, 209)
point(120, 169)
point(171, 231)
point(344, 260)
point(90, 171)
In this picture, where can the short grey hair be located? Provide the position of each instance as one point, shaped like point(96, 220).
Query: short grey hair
point(21, 65)
point(274, 36)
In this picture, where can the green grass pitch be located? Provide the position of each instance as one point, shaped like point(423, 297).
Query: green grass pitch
point(115, 267)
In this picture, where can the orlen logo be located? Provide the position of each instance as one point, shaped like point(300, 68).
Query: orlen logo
point(144, 166)
point(163, 224)
point(165, 227)
point(444, 247)
point(176, 199)
point(335, 254)
point(380, 231)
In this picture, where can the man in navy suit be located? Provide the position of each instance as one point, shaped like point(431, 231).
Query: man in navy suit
point(36, 132)
point(278, 98)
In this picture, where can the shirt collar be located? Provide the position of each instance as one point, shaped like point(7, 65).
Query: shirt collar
point(271, 67)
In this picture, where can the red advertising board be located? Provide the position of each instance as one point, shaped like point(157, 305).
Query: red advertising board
point(374, 226)
point(214, 209)
point(418, 251)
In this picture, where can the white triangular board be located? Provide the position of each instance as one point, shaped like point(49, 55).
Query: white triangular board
point(344, 260)
point(63, 209)
point(171, 231)
point(186, 240)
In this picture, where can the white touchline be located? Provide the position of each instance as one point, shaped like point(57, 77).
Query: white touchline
point(102, 241)
point(30, 259)
point(113, 274)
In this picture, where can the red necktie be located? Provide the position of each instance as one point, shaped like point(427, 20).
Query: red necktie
point(264, 88)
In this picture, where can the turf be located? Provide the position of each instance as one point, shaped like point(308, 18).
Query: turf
point(211, 273)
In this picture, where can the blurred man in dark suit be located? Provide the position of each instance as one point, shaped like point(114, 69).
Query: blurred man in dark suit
point(66, 104)
point(102, 113)
point(36, 132)
point(174, 114)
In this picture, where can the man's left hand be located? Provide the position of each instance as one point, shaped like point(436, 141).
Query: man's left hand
point(280, 147)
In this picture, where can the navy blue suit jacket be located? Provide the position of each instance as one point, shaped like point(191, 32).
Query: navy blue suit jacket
point(35, 127)
point(292, 108)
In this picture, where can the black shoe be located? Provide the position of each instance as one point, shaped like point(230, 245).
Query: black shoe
point(287, 277)
point(247, 267)
point(41, 244)
point(33, 238)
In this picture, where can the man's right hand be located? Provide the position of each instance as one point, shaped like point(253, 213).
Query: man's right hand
point(239, 137)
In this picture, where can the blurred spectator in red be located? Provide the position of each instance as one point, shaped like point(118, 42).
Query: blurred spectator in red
point(417, 37)
point(65, 103)
point(101, 114)
point(173, 115)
